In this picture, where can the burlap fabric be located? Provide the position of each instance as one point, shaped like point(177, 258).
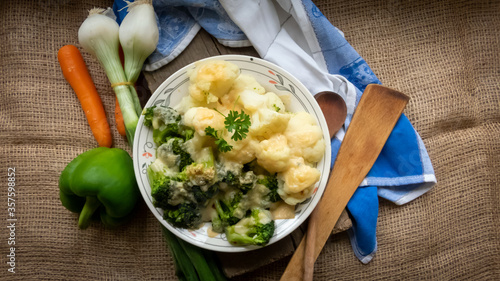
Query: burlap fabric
point(443, 54)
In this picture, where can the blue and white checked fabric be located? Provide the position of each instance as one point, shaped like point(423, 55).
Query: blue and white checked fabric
point(298, 37)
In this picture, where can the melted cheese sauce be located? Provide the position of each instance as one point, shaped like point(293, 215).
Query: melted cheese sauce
point(211, 233)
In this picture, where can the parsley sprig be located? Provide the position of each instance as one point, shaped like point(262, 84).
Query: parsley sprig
point(237, 122)
point(221, 143)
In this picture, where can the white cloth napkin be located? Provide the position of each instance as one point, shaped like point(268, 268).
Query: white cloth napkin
point(281, 33)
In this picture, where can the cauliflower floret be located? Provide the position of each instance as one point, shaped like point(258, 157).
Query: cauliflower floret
point(201, 117)
point(274, 154)
point(305, 137)
point(252, 101)
point(267, 122)
point(246, 82)
point(243, 150)
point(211, 80)
point(298, 181)
point(274, 102)
point(243, 85)
point(226, 108)
point(188, 102)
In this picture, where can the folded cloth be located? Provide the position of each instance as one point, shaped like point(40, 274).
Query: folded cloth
point(298, 37)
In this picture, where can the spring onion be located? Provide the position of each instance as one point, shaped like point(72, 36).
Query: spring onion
point(138, 35)
point(98, 35)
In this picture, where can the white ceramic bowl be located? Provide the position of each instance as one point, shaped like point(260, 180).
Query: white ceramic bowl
point(273, 79)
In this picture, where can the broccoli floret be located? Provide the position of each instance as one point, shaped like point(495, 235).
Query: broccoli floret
point(230, 178)
point(165, 115)
point(168, 188)
point(243, 180)
point(181, 194)
point(217, 224)
point(166, 123)
point(170, 192)
point(161, 192)
point(148, 116)
point(160, 183)
point(174, 154)
point(259, 228)
point(185, 215)
point(201, 196)
point(185, 157)
point(271, 182)
point(225, 211)
point(246, 181)
point(202, 172)
point(166, 132)
point(187, 132)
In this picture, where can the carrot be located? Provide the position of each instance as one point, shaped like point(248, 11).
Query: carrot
point(120, 126)
point(76, 73)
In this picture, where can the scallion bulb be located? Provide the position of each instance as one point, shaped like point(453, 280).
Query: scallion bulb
point(138, 35)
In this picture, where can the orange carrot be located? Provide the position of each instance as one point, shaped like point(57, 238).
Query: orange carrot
point(120, 126)
point(76, 73)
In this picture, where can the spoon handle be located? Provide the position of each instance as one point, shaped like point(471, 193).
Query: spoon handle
point(375, 117)
point(309, 258)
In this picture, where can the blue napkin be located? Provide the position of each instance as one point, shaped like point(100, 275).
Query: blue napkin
point(298, 31)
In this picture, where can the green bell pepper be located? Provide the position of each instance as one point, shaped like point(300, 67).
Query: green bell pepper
point(101, 178)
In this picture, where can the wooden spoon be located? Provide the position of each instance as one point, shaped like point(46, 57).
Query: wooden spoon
point(335, 111)
point(375, 117)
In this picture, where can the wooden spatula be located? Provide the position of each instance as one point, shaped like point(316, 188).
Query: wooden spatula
point(374, 118)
